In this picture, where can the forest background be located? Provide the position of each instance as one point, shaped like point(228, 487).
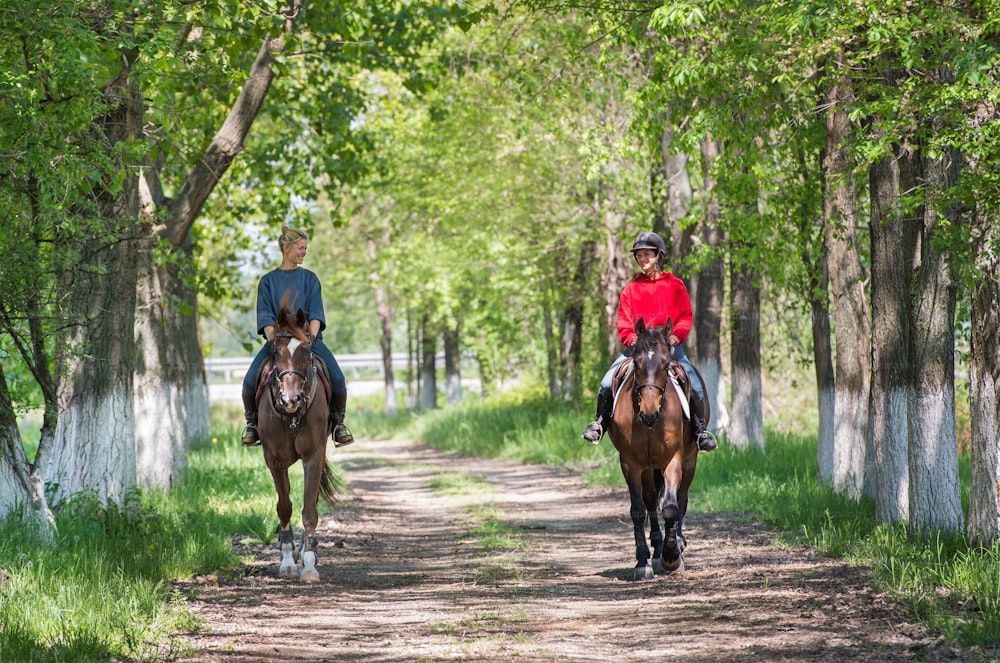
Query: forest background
point(472, 176)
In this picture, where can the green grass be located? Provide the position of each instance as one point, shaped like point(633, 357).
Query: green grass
point(104, 590)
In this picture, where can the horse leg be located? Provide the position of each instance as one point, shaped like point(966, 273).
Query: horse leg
point(690, 465)
point(638, 512)
point(671, 512)
point(652, 494)
point(312, 470)
point(286, 538)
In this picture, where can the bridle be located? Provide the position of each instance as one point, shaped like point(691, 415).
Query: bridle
point(293, 418)
point(639, 387)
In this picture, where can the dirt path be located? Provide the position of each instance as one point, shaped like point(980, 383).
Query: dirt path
point(404, 580)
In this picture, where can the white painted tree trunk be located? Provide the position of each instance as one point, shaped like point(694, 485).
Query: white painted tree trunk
point(890, 338)
point(935, 495)
point(827, 403)
point(852, 338)
point(22, 491)
point(94, 446)
point(715, 390)
point(708, 301)
point(984, 386)
point(95, 440)
point(747, 425)
point(171, 397)
point(935, 491)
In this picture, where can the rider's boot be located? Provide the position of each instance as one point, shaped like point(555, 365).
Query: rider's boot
point(251, 436)
point(341, 434)
point(595, 429)
point(705, 440)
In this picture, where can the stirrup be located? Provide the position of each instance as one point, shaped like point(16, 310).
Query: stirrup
point(251, 436)
point(342, 436)
point(706, 441)
point(593, 432)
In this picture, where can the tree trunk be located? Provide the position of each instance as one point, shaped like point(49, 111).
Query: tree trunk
point(747, 425)
point(709, 299)
point(551, 353)
point(812, 248)
point(171, 395)
point(452, 367)
point(616, 267)
point(852, 337)
point(22, 484)
point(487, 375)
point(22, 491)
point(890, 335)
point(427, 396)
point(984, 384)
point(935, 494)
point(825, 383)
point(94, 448)
point(412, 389)
point(571, 326)
point(676, 193)
point(384, 312)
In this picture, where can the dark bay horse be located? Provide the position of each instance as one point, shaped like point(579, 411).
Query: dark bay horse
point(656, 447)
point(291, 429)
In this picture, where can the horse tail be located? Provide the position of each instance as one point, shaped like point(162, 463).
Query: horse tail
point(332, 483)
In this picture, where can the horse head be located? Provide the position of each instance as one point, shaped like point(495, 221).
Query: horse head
point(292, 372)
point(651, 358)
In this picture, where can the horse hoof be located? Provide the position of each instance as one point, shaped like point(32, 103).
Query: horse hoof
point(308, 572)
point(287, 572)
point(675, 566)
point(658, 565)
point(643, 573)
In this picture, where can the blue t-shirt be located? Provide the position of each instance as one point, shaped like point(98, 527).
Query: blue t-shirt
point(304, 292)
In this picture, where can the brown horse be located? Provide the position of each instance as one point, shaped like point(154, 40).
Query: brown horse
point(292, 430)
point(656, 447)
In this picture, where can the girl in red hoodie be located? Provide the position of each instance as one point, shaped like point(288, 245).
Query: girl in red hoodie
point(656, 297)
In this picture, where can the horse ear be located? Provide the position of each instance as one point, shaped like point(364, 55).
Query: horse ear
point(300, 318)
point(282, 318)
point(640, 326)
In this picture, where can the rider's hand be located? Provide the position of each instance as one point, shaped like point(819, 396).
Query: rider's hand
point(674, 340)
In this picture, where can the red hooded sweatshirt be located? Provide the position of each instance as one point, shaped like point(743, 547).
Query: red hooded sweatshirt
point(654, 300)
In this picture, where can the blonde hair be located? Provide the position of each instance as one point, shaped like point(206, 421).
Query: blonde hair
point(291, 235)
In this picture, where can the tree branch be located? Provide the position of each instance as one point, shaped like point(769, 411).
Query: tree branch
point(228, 142)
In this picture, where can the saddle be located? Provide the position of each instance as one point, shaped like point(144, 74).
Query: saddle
point(324, 377)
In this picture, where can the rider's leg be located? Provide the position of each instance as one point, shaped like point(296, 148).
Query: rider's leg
point(338, 407)
point(338, 398)
point(251, 436)
point(706, 441)
point(605, 401)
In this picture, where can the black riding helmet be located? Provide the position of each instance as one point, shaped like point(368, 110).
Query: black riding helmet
point(650, 241)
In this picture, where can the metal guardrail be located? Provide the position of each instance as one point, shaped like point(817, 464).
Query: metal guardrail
point(232, 369)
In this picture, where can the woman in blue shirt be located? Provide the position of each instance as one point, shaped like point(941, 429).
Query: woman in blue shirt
point(304, 291)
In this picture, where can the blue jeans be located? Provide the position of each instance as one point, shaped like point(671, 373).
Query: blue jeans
point(677, 353)
point(338, 383)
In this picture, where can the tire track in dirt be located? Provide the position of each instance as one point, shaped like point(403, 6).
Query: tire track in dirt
point(402, 580)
